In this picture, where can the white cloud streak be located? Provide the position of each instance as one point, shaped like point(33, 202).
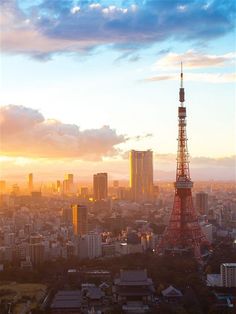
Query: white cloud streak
point(194, 60)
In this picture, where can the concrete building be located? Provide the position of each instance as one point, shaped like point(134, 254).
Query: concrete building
point(30, 182)
point(141, 175)
point(2, 186)
point(36, 253)
point(84, 192)
point(208, 231)
point(68, 183)
point(100, 186)
point(228, 275)
point(202, 202)
point(80, 219)
point(9, 238)
point(67, 215)
point(94, 244)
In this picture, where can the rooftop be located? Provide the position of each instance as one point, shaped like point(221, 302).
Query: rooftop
point(67, 299)
point(133, 278)
point(171, 292)
point(133, 275)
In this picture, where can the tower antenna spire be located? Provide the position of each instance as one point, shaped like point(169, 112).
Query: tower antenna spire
point(181, 90)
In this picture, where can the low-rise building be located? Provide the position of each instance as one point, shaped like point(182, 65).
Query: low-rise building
point(67, 302)
point(134, 291)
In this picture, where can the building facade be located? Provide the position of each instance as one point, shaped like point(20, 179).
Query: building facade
point(30, 182)
point(202, 202)
point(141, 175)
point(100, 186)
point(80, 219)
point(228, 275)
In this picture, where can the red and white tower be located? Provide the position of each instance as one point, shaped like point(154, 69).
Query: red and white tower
point(183, 233)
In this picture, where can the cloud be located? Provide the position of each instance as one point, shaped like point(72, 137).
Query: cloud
point(196, 77)
point(228, 162)
point(194, 59)
point(160, 78)
point(25, 132)
point(140, 137)
point(48, 27)
point(199, 161)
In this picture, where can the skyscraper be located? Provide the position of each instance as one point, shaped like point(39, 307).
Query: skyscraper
point(58, 186)
point(68, 183)
point(141, 175)
point(94, 244)
point(2, 186)
point(80, 219)
point(30, 182)
point(100, 186)
point(202, 203)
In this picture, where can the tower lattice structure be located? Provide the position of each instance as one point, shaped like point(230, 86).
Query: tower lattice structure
point(183, 233)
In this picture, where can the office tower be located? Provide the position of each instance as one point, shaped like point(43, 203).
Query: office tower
point(69, 177)
point(30, 182)
point(80, 219)
point(58, 186)
point(35, 238)
point(9, 238)
point(36, 251)
point(67, 215)
point(202, 203)
point(115, 184)
point(183, 234)
point(2, 186)
point(68, 183)
point(15, 190)
point(228, 275)
point(94, 244)
point(141, 175)
point(100, 186)
point(84, 192)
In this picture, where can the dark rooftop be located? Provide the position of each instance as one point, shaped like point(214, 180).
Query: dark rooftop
point(67, 300)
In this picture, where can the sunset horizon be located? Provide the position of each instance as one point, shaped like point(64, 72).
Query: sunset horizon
point(77, 101)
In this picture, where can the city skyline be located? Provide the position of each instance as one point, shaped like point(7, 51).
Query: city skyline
point(80, 104)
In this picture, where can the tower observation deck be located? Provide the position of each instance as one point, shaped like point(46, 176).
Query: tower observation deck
point(183, 233)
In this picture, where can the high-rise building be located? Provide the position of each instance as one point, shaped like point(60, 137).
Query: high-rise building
point(84, 192)
point(67, 215)
point(94, 244)
point(68, 183)
point(58, 186)
point(228, 275)
point(100, 186)
point(115, 184)
point(36, 251)
point(30, 182)
point(141, 175)
point(202, 202)
point(80, 219)
point(2, 186)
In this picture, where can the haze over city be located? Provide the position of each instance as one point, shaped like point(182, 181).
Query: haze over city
point(82, 84)
point(117, 157)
